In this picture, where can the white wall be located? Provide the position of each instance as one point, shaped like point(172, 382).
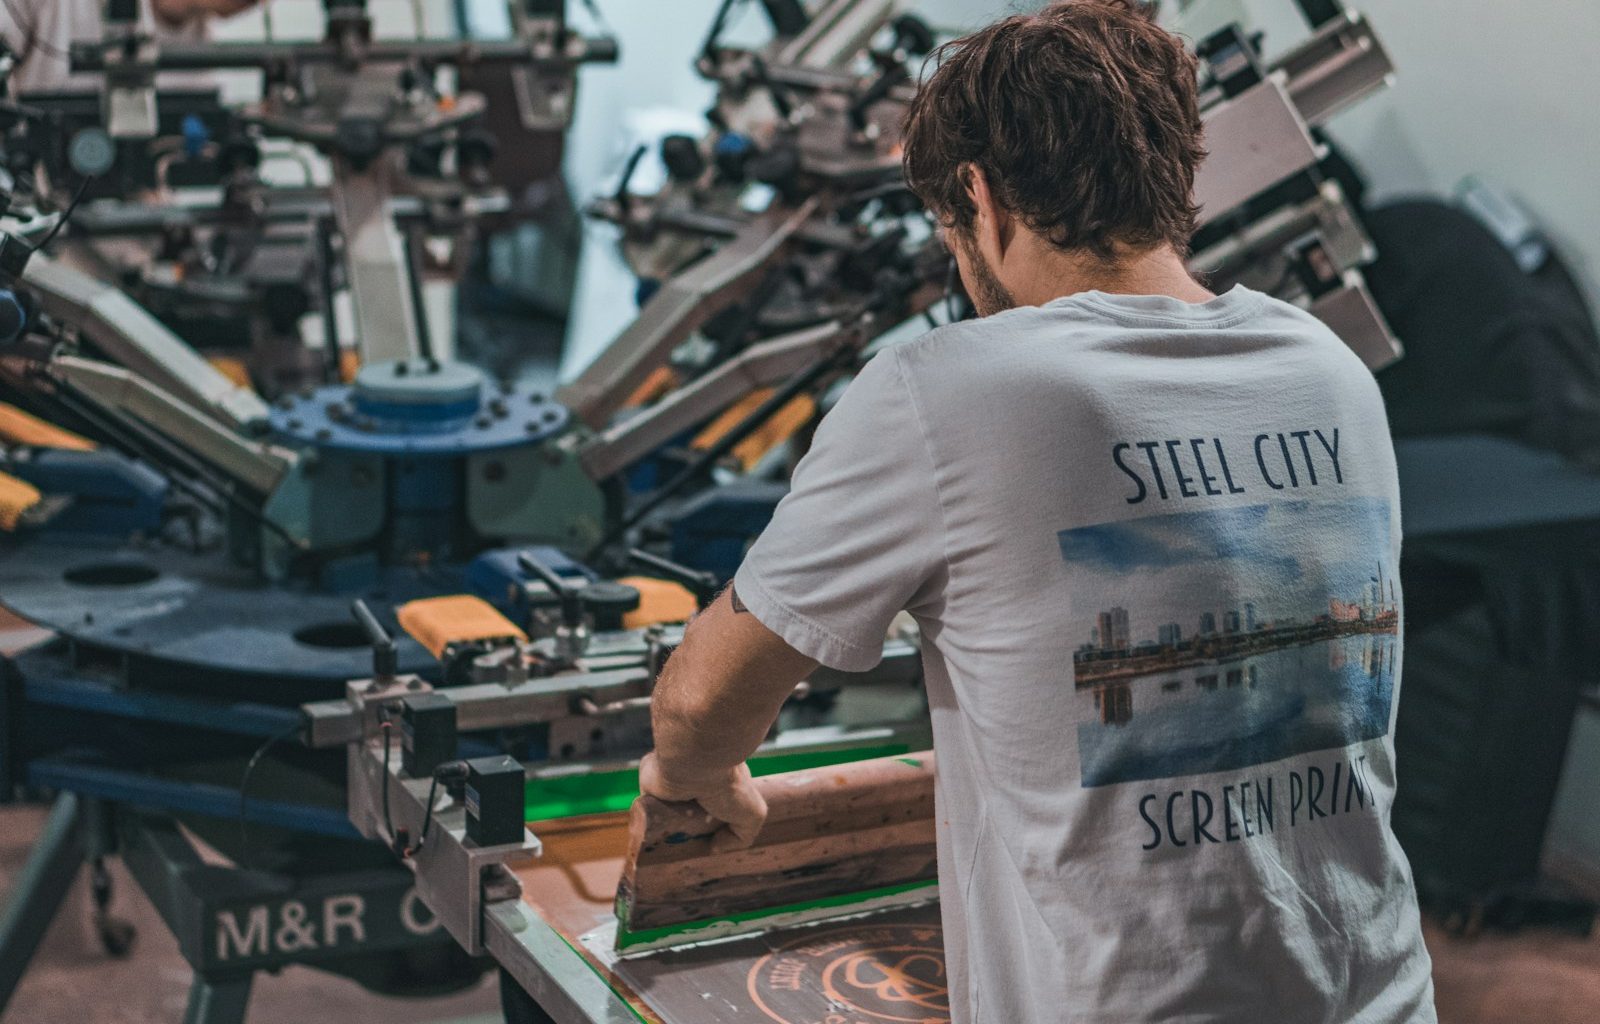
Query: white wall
point(652, 83)
point(1506, 91)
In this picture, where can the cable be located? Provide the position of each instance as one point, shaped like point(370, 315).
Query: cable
point(244, 785)
point(427, 819)
point(456, 770)
point(398, 840)
point(77, 196)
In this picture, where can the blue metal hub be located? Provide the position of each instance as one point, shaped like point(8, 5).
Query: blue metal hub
point(419, 408)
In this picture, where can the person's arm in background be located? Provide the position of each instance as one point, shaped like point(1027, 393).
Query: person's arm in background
point(41, 33)
point(718, 695)
point(177, 14)
point(858, 538)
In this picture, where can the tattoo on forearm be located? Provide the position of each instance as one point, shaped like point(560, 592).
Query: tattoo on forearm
point(733, 599)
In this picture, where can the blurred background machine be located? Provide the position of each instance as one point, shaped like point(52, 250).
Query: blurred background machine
point(356, 605)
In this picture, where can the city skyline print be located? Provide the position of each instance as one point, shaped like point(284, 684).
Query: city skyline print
point(1218, 640)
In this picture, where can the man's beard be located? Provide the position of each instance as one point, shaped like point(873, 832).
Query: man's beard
point(988, 295)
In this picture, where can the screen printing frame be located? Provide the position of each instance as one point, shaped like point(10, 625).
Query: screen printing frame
point(549, 964)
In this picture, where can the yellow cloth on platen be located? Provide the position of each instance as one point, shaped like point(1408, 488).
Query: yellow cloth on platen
point(438, 622)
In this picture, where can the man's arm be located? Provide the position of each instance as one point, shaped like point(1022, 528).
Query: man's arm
point(717, 697)
point(180, 13)
point(858, 538)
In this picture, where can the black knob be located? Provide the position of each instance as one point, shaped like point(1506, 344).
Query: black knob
point(608, 602)
point(681, 154)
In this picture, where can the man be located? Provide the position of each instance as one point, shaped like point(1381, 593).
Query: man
point(39, 33)
point(1150, 538)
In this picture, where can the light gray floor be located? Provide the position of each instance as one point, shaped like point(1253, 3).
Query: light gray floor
point(1518, 979)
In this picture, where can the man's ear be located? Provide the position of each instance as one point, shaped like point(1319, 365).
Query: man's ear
point(992, 228)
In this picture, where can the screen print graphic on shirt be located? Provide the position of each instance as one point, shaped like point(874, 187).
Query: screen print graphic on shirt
point(1217, 640)
point(1169, 469)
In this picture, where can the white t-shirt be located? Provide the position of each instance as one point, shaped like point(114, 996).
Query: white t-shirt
point(1152, 549)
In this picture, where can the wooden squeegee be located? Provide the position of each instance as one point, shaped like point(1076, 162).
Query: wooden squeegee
point(835, 839)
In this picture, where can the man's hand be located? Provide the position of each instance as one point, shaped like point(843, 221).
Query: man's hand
point(711, 708)
point(728, 795)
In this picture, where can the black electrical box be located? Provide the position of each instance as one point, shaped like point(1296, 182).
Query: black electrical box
point(427, 733)
point(494, 800)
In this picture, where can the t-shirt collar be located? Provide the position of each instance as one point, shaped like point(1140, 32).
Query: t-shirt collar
point(1235, 304)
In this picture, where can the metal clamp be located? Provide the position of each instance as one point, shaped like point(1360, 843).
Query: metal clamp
point(455, 877)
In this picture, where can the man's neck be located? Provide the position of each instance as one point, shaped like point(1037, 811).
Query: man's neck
point(1157, 271)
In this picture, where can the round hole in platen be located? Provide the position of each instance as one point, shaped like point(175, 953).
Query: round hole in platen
point(111, 574)
point(338, 636)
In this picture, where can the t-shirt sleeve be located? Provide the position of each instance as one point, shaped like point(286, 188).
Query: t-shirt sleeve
point(860, 535)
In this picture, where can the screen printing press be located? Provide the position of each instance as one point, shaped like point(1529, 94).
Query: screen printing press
point(605, 907)
point(220, 531)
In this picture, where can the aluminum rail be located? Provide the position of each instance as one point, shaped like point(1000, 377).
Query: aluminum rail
point(128, 333)
point(333, 723)
point(765, 363)
point(256, 464)
point(684, 303)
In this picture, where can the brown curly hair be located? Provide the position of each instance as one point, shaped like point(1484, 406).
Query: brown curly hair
point(1083, 118)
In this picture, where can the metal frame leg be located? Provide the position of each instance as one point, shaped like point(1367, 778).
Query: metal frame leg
point(218, 1000)
point(41, 887)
